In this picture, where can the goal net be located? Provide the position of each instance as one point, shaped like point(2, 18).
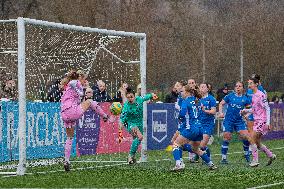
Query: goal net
point(34, 56)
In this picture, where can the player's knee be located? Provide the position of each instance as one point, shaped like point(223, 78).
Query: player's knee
point(176, 145)
point(227, 136)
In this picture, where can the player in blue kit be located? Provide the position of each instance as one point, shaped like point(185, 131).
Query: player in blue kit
point(207, 116)
point(179, 86)
point(189, 117)
point(233, 120)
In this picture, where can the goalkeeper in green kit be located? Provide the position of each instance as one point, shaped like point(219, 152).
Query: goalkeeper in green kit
point(132, 119)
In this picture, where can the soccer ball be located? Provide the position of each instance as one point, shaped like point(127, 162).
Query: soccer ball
point(115, 108)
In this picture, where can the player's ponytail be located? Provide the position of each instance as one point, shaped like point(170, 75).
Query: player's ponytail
point(194, 92)
point(197, 94)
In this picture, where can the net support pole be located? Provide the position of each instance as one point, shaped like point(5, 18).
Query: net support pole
point(22, 96)
point(143, 92)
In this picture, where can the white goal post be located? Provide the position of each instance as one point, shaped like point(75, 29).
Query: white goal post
point(21, 24)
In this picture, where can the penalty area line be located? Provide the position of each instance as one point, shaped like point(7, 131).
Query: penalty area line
point(267, 185)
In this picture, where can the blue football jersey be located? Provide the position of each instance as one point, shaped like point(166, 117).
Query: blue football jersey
point(235, 105)
point(208, 102)
point(179, 100)
point(190, 111)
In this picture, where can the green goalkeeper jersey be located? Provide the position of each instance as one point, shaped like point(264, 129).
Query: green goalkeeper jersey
point(132, 113)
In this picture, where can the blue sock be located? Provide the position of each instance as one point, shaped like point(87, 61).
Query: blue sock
point(246, 146)
point(224, 149)
point(206, 149)
point(246, 150)
point(205, 158)
point(180, 152)
point(187, 147)
point(176, 153)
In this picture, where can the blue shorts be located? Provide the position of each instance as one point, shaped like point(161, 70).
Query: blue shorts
point(250, 117)
point(208, 129)
point(230, 126)
point(194, 133)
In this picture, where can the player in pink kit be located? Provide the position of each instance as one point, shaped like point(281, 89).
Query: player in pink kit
point(261, 113)
point(72, 109)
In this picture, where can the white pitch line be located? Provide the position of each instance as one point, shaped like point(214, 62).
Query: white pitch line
point(96, 161)
point(61, 170)
point(268, 185)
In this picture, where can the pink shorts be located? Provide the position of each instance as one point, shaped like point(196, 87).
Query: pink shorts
point(71, 115)
point(260, 127)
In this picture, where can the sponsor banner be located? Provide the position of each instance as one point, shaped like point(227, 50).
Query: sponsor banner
point(161, 125)
point(108, 135)
point(45, 132)
point(277, 122)
point(87, 133)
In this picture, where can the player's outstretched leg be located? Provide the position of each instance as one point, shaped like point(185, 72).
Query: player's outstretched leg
point(68, 144)
point(176, 154)
point(246, 150)
point(268, 153)
point(254, 162)
point(137, 138)
point(224, 151)
point(203, 155)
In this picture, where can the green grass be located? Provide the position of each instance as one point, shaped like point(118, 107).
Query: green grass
point(156, 174)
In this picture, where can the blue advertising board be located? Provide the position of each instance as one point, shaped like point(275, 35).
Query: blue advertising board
point(45, 134)
point(161, 125)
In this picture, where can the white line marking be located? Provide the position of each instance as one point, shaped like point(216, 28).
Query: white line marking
point(97, 161)
point(268, 185)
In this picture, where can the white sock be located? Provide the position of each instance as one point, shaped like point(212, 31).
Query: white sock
point(210, 163)
point(178, 162)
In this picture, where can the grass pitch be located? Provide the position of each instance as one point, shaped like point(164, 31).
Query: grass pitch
point(156, 172)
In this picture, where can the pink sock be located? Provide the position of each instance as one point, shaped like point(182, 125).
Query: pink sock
point(68, 146)
point(254, 152)
point(95, 106)
point(266, 150)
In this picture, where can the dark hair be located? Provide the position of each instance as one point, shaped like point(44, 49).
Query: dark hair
point(207, 85)
point(74, 75)
point(255, 80)
point(256, 76)
point(130, 91)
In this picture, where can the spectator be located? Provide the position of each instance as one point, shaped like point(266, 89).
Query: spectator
point(120, 95)
point(138, 90)
point(221, 93)
point(9, 90)
point(89, 94)
point(275, 99)
point(101, 94)
point(173, 95)
point(55, 93)
point(282, 98)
